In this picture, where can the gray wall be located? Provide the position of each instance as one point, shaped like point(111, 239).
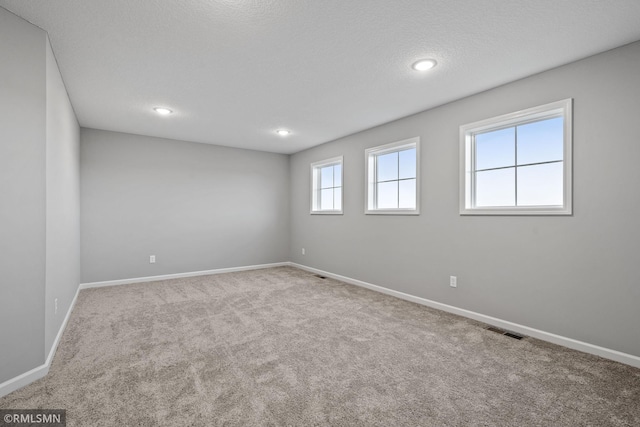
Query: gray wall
point(22, 195)
point(39, 190)
point(195, 206)
point(63, 202)
point(574, 276)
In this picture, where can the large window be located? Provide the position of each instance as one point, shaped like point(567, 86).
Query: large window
point(393, 178)
point(326, 186)
point(518, 164)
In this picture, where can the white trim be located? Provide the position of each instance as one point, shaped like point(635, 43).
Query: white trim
point(414, 212)
point(178, 275)
point(370, 155)
point(24, 379)
point(315, 168)
point(42, 370)
point(36, 373)
point(607, 353)
point(564, 109)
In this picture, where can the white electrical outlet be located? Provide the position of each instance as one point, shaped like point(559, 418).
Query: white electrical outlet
point(55, 306)
point(152, 259)
point(453, 281)
point(302, 251)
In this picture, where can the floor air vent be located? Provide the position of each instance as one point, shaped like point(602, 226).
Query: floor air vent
point(319, 276)
point(503, 332)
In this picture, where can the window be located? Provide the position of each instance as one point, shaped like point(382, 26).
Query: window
point(393, 178)
point(326, 186)
point(518, 164)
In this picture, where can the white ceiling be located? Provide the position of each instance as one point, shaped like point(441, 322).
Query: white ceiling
point(234, 71)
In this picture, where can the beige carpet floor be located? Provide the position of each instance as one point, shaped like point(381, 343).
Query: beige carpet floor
point(280, 347)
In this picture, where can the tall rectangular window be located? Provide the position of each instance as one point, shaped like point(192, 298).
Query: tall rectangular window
point(518, 164)
point(393, 178)
point(326, 186)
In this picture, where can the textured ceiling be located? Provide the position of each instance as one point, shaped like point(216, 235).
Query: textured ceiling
point(234, 71)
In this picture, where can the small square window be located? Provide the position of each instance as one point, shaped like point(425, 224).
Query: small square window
point(518, 164)
point(393, 178)
point(326, 186)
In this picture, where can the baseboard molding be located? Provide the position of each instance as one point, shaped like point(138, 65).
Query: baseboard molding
point(607, 353)
point(180, 275)
point(27, 378)
point(24, 379)
point(41, 371)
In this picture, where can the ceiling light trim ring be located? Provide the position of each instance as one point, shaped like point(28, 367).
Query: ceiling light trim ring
point(163, 111)
point(424, 64)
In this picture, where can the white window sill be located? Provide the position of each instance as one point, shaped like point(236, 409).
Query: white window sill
point(530, 211)
point(393, 212)
point(326, 213)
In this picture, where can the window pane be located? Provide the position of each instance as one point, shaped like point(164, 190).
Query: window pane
point(337, 175)
point(540, 185)
point(407, 194)
point(337, 199)
point(541, 141)
point(387, 167)
point(496, 188)
point(388, 195)
point(407, 163)
point(326, 199)
point(495, 149)
point(326, 177)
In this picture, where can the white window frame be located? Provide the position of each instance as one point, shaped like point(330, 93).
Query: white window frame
point(315, 179)
point(370, 156)
point(561, 108)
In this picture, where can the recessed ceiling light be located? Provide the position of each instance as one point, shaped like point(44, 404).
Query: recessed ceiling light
point(424, 64)
point(163, 111)
point(283, 132)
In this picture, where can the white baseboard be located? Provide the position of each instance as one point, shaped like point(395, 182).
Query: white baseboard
point(39, 372)
point(180, 275)
point(42, 370)
point(24, 379)
point(607, 353)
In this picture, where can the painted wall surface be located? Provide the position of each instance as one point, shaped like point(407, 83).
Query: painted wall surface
point(63, 202)
point(194, 206)
point(576, 276)
point(22, 195)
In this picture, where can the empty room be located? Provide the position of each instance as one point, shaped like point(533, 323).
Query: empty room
point(319, 213)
